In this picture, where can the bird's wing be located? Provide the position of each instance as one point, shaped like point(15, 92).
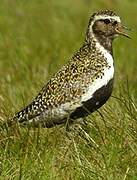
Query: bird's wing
point(62, 89)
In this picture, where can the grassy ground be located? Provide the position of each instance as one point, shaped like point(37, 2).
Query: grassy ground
point(36, 38)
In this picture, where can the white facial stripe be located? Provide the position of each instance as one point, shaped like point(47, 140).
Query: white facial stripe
point(99, 17)
point(116, 18)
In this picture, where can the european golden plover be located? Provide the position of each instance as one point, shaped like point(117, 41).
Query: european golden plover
point(82, 85)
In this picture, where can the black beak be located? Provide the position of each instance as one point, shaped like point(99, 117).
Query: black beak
point(120, 30)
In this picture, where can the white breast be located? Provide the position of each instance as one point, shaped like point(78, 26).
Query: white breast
point(108, 75)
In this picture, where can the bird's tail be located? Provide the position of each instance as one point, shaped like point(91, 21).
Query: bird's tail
point(8, 123)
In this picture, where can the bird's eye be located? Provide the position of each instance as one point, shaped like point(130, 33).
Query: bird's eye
point(106, 21)
point(114, 23)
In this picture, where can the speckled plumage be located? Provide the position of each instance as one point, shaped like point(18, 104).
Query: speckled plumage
point(67, 90)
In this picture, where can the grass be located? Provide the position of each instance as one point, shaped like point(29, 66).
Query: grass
point(36, 38)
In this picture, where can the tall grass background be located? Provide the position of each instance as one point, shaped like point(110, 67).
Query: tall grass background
point(36, 38)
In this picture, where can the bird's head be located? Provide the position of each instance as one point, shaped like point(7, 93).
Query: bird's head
point(106, 24)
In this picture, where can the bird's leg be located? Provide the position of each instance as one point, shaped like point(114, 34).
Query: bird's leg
point(67, 124)
point(85, 121)
point(76, 130)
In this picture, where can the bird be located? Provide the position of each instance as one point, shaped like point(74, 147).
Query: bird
point(84, 83)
